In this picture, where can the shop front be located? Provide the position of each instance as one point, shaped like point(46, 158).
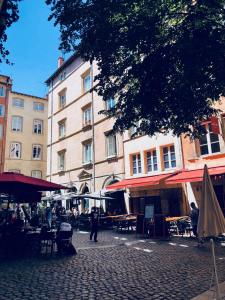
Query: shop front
point(192, 179)
point(152, 190)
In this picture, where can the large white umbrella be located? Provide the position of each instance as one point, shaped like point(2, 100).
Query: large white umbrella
point(211, 222)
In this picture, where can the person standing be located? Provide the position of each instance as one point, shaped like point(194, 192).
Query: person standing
point(94, 223)
point(194, 218)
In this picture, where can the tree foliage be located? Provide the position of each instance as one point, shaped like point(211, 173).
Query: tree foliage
point(162, 60)
point(8, 15)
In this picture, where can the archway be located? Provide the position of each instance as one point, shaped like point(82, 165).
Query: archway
point(116, 206)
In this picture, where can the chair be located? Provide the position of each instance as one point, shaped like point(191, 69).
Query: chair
point(63, 240)
point(48, 241)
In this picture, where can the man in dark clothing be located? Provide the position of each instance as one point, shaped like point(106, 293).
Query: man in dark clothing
point(94, 223)
point(194, 217)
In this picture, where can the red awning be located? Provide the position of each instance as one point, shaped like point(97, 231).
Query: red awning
point(194, 175)
point(10, 181)
point(138, 182)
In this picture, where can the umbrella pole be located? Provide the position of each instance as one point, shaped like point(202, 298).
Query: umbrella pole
point(215, 270)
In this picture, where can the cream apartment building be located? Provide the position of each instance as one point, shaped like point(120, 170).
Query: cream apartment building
point(149, 162)
point(26, 135)
point(82, 153)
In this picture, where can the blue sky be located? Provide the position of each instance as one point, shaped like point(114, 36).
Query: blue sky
point(33, 44)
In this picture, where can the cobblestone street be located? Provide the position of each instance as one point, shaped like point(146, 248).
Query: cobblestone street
point(119, 266)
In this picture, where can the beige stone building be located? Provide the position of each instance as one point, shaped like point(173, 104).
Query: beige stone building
point(82, 151)
point(26, 135)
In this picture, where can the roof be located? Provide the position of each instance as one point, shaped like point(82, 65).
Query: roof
point(194, 175)
point(32, 96)
point(60, 69)
point(139, 181)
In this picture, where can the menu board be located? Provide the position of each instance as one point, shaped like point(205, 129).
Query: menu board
point(149, 211)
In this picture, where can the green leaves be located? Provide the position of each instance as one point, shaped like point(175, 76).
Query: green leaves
point(163, 61)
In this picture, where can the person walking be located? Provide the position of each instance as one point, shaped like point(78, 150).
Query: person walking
point(94, 223)
point(194, 217)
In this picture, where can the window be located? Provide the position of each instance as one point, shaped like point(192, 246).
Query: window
point(38, 127)
point(62, 129)
point(19, 103)
point(209, 142)
point(136, 163)
point(15, 150)
point(62, 75)
point(87, 116)
point(1, 131)
point(36, 154)
point(87, 152)
point(62, 99)
point(169, 157)
point(151, 159)
point(36, 174)
point(17, 123)
point(111, 145)
point(61, 161)
point(110, 103)
point(38, 106)
point(14, 171)
point(2, 91)
point(87, 82)
point(2, 110)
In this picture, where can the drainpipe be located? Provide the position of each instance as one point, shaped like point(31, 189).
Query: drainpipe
point(93, 129)
point(51, 130)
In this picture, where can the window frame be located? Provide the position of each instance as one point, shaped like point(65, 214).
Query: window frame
point(138, 163)
point(2, 109)
point(62, 168)
point(209, 143)
point(20, 150)
point(2, 88)
point(84, 76)
point(40, 157)
point(42, 126)
point(16, 129)
point(84, 145)
point(87, 122)
point(107, 137)
point(108, 103)
point(62, 95)
point(17, 171)
point(151, 158)
point(39, 177)
point(36, 105)
point(170, 153)
point(17, 106)
point(60, 124)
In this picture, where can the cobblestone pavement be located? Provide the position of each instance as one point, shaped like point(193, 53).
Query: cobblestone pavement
point(119, 266)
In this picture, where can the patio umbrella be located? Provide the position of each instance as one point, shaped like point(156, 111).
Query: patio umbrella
point(12, 183)
point(211, 221)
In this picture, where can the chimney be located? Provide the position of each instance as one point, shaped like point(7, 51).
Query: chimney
point(60, 61)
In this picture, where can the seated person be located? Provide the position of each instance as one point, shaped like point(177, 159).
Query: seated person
point(64, 232)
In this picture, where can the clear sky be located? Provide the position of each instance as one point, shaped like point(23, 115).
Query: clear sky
point(33, 44)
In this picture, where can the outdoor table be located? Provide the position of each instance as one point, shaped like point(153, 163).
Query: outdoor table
point(174, 219)
point(125, 222)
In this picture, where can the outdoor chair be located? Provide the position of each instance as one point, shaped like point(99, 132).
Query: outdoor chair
point(47, 242)
point(64, 240)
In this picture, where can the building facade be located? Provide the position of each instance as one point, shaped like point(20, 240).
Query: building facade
point(5, 88)
point(149, 161)
point(26, 135)
point(83, 153)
